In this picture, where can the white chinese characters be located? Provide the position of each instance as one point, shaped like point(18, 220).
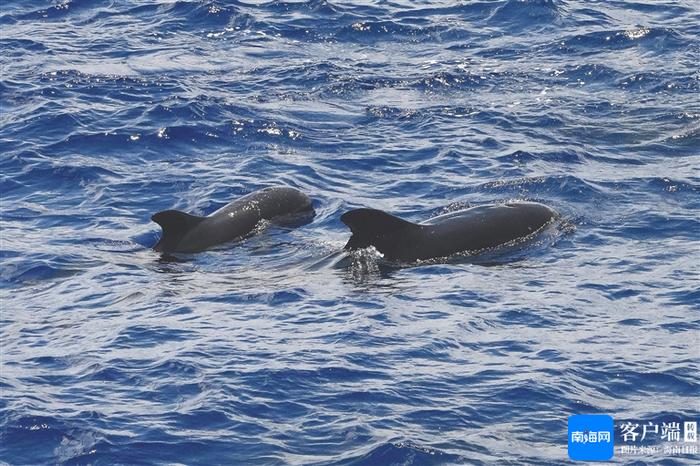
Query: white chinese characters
point(590, 437)
point(669, 432)
point(691, 432)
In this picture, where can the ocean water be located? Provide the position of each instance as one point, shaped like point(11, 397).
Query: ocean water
point(284, 350)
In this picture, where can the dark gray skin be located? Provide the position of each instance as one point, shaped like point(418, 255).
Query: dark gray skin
point(466, 231)
point(187, 233)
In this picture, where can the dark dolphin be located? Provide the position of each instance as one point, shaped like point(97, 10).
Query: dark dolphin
point(466, 231)
point(188, 233)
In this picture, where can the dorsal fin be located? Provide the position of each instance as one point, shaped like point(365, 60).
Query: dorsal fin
point(175, 225)
point(371, 227)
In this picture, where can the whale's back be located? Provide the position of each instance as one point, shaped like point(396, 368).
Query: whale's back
point(470, 230)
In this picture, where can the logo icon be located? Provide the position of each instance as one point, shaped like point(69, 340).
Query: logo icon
point(591, 437)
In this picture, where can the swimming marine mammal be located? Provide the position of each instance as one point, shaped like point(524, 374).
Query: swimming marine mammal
point(183, 232)
point(467, 231)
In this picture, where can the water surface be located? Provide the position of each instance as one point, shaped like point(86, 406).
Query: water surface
point(270, 352)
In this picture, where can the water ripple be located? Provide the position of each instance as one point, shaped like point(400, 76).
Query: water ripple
point(283, 349)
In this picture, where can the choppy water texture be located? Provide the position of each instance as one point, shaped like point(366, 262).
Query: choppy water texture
point(278, 350)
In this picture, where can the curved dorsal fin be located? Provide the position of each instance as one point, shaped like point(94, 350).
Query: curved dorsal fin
point(370, 227)
point(175, 225)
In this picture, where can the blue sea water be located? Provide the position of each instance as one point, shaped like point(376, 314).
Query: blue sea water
point(279, 350)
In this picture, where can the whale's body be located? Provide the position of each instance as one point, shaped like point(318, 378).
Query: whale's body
point(187, 233)
point(466, 231)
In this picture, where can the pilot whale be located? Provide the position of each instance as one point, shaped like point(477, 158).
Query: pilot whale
point(466, 231)
point(187, 233)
